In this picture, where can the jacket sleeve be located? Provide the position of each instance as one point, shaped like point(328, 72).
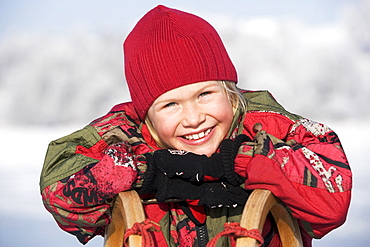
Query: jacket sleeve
point(80, 177)
point(312, 177)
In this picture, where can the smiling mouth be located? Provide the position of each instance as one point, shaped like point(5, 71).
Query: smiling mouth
point(198, 136)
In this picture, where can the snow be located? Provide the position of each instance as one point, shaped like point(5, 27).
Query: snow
point(23, 219)
point(25, 222)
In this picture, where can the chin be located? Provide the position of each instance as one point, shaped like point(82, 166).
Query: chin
point(208, 152)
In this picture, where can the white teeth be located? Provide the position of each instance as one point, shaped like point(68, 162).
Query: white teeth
point(198, 136)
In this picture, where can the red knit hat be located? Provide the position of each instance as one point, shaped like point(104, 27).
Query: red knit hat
point(168, 49)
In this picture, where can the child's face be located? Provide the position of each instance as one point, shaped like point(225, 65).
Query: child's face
point(195, 117)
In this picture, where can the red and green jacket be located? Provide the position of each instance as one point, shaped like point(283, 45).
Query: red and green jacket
point(84, 171)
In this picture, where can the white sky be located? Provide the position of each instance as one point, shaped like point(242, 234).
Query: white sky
point(61, 16)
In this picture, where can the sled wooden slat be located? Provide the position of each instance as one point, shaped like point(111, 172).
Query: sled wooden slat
point(259, 204)
point(127, 210)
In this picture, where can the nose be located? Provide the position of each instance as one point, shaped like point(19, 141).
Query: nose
point(193, 116)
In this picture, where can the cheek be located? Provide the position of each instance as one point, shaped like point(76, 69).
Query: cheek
point(225, 117)
point(165, 129)
point(224, 112)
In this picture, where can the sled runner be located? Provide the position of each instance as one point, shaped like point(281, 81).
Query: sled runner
point(128, 210)
point(259, 204)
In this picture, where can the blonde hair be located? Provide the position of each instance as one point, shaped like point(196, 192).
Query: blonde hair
point(236, 98)
point(233, 94)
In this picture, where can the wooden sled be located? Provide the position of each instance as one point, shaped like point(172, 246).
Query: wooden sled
point(128, 209)
point(259, 204)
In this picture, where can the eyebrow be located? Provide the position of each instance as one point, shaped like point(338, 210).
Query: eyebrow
point(174, 99)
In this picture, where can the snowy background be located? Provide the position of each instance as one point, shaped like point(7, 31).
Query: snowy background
point(61, 67)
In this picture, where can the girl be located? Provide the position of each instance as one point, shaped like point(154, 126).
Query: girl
point(190, 134)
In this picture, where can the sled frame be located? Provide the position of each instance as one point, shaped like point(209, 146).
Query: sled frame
point(128, 209)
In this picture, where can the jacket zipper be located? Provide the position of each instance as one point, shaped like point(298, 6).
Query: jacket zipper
point(202, 236)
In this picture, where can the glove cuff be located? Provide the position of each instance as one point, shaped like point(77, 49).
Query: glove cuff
point(229, 150)
point(148, 186)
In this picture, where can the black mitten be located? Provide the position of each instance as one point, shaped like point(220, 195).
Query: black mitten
point(219, 194)
point(197, 168)
point(151, 177)
point(165, 185)
point(188, 166)
point(212, 194)
point(229, 150)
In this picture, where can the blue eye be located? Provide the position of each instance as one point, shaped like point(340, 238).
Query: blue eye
point(204, 94)
point(170, 104)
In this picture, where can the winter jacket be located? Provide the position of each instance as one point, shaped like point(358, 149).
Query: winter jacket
point(84, 171)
